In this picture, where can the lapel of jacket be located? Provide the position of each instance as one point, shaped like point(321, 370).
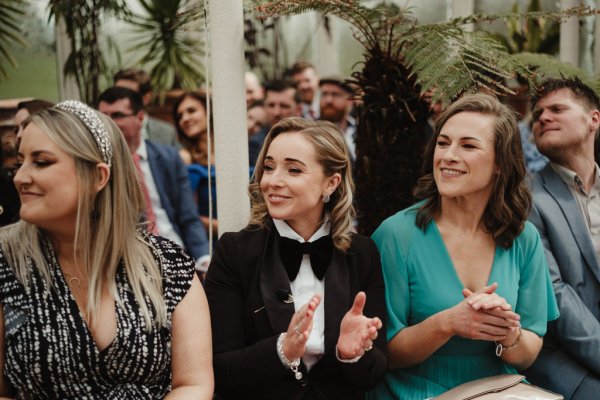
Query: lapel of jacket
point(156, 162)
point(559, 190)
point(337, 298)
point(273, 278)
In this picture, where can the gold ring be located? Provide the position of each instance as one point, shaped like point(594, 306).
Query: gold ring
point(297, 331)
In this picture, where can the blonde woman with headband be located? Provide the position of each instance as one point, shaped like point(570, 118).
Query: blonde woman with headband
point(93, 306)
point(296, 299)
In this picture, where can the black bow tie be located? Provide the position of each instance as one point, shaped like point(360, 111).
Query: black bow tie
point(291, 252)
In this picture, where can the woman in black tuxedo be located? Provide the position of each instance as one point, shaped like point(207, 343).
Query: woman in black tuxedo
point(296, 299)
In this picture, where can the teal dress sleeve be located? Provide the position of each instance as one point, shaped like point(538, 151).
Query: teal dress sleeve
point(535, 284)
point(392, 241)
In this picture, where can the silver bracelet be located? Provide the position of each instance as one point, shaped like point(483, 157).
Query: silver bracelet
point(293, 365)
point(500, 347)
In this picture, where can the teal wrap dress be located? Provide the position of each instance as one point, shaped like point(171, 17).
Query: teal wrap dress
point(421, 281)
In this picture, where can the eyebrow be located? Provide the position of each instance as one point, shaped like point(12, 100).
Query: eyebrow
point(462, 138)
point(38, 153)
point(287, 159)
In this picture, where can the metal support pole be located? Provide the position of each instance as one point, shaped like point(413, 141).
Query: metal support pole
point(67, 87)
point(226, 24)
point(569, 35)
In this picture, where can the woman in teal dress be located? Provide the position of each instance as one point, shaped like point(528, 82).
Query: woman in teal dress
point(467, 286)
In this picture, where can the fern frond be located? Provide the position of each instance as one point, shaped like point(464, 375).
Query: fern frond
point(558, 16)
point(453, 61)
point(369, 22)
point(546, 66)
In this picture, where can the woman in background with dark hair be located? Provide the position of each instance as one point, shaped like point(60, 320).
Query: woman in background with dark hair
point(468, 289)
point(191, 121)
point(295, 296)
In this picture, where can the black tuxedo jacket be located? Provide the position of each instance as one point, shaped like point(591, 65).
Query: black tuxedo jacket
point(247, 316)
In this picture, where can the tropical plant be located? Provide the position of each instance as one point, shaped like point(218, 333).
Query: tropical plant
point(11, 11)
point(264, 50)
point(83, 21)
point(170, 35)
point(533, 35)
point(403, 59)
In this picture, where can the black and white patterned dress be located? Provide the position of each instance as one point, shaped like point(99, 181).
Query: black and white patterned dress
point(51, 354)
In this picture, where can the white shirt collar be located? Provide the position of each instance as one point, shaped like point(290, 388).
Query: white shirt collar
point(286, 231)
point(142, 150)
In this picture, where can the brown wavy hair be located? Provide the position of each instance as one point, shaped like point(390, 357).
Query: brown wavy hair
point(510, 201)
point(332, 154)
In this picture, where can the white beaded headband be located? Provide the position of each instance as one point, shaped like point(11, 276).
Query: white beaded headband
point(93, 123)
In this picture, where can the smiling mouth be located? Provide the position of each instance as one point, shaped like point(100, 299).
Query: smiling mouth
point(452, 172)
point(277, 197)
point(28, 195)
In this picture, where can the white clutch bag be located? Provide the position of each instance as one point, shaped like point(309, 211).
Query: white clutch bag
point(499, 387)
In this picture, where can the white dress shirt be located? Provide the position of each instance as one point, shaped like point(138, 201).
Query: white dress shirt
point(163, 224)
point(303, 288)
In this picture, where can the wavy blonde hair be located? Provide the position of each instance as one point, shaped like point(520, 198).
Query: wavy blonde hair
point(332, 154)
point(107, 229)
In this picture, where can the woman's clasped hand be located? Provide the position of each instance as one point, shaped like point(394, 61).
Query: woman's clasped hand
point(484, 315)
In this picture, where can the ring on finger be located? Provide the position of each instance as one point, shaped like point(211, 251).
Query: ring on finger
point(368, 348)
point(297, 331)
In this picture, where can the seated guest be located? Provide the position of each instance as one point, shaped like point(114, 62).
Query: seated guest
point(9, 198)
point(304, 75)
point(26, 108)
point(295, 296)
point(468, 289)
point(254, 89)
point(335, 106)
point(169, 200)
point(153, 129)
point(566, 211)
point(256, 117)
point(282, 100)
point(191, 119)
point(93, 306)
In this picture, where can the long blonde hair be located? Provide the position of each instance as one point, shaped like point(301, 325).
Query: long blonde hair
point(107, 228)
point(333, 155)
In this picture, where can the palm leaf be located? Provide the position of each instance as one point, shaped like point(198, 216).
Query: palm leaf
point(10, 32)
point(169, 35)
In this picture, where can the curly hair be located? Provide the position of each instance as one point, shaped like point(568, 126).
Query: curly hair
point(332, 154)
point(509, 204)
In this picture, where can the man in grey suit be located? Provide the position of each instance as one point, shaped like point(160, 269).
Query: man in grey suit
point(153, 129)
point(566, 211)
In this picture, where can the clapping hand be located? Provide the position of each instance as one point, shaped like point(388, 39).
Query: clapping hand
point(294, 344)
point(357, 332)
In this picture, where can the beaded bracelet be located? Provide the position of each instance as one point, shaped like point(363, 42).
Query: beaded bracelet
point(293, 365)
point(500, 348)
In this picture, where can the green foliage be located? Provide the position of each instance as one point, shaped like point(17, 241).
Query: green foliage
point(169, 34)
point(472, 61)
point(534, 35)
point(11, 12)
point(86, 62)
point(546, 66)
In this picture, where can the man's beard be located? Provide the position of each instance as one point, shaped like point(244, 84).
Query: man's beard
point(332, 114)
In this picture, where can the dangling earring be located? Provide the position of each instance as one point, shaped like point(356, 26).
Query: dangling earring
point(326, 198)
